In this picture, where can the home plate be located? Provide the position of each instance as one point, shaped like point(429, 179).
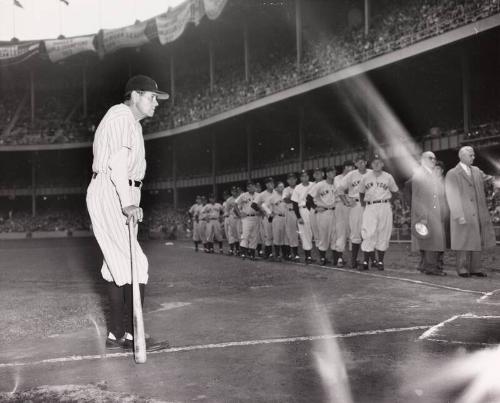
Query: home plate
point(466, 329)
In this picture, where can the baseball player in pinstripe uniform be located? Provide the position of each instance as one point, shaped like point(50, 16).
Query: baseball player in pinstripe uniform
point(278, 209)
point(292, 236)
point(113, 199)
point(213, 212)
point(202, 218)
point(266, 226)
point(233, 222)
point(299, 199)
point(341, 217)
point(375, 190)
point(194, 212)
point(318, 176)
point(324, 196)
point(249, 211)
point(351, 185)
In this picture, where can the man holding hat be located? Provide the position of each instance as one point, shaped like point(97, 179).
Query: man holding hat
point(113, 199)
point(250, 213)
point(299, 199)
point(292, 236)
point(428, 214)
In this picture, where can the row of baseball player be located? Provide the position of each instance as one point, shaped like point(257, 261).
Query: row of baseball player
point(327, 212)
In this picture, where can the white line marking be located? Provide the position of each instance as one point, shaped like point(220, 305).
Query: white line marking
point(166, 306)
point(463, 342)
point(361, 273)
point(218, 345)
point(434, 329)
point(486, 296)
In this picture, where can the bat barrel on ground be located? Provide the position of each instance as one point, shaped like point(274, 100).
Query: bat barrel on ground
point(139, 335)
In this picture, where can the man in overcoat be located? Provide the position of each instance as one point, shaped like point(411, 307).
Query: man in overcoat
point(471, 228)
point(428, 207)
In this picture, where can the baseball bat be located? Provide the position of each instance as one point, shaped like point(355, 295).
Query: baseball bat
point(139, 336)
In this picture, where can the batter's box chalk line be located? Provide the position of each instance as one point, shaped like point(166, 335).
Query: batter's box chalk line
point(431, 334)
point(486, 298)
point(201, 347)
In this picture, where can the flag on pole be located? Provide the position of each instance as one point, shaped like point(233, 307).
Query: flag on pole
point(18, 4)
point(65, 2)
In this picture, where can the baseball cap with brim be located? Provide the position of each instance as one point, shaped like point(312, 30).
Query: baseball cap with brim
point(144, 83)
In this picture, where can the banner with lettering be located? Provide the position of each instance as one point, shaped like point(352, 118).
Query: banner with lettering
point(17, 53)
point(59, 49)
point(127, 37)
point(213, 8)
point(171, 24)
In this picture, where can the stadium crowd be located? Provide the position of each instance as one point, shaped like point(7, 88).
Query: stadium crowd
point(395, 27)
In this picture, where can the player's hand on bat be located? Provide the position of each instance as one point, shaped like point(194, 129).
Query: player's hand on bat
point(133, 213)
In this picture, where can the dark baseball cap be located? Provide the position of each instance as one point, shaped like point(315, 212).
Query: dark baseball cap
point(331, 169)
point(291, 175)
point(377, 157)
point(269, 180)
point(144, 83)
point(360, 157)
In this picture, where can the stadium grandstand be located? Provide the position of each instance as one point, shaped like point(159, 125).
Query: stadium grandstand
point(258, 88)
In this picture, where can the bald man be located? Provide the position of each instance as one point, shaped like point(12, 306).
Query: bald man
point(428, 207)
point(471, 228)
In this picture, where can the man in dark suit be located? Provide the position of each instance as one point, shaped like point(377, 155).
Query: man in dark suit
point(428, 207)
point(471, 228)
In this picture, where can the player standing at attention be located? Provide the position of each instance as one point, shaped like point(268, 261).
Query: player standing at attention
point(232, 230)
point(278, 209)
point(249, 211)
point(260, 234)
point(299, 198)
point(113, 199)
point(351, 185)
point(194, 212)
point(341, 217)
point(266, 225)
point(318, 176)
point(292, 236)
point(202, 218)
point(375, 192)
point(213, 212)
point(324, 196)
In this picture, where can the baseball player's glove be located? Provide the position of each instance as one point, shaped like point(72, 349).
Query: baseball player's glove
point(310, 202)
point(255, 206)
point(270, 219)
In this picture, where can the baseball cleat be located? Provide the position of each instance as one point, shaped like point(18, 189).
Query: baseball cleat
point(323, 262)
point(115, 344)
point(340, 262)
point(364, 266)
point(221, 252)
point(380, 266)
point(296, 258)
point(309, 260)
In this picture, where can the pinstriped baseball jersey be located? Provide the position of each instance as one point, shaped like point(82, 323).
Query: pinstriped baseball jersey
point(351, 182)
point(212, 211)
point(277, 204)
point(300, 192)
point(324, 194)
point(119, 129)
point(244, 202)
point(377, 187)
point(195, 210)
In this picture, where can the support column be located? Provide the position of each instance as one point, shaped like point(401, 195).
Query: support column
point(32, 95)
point(466, 104)
point(246, 53)
point(84, 90)
point(249, 136)
point(34, 163)
point(211, 64)
point(172, 77)
point(174, 173)
point(367, 16)
point(298, 31)
point(301, 136)
point(214, 163)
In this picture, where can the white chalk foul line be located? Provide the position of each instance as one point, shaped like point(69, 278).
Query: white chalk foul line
point(245, 343)
point(364, 273)
point(484, 298)
point(427, 335)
